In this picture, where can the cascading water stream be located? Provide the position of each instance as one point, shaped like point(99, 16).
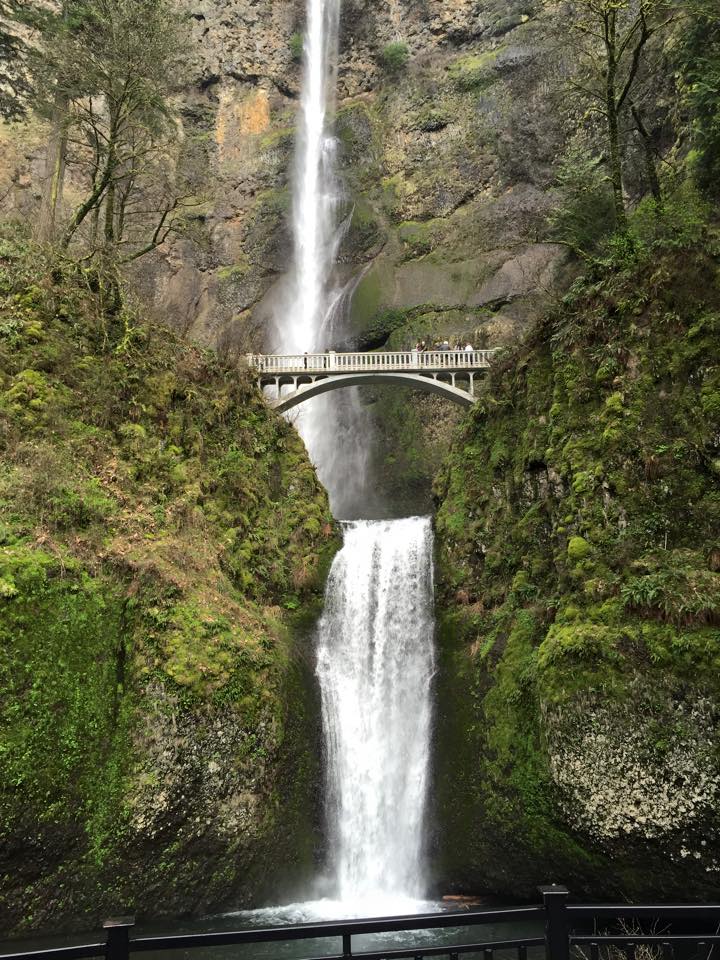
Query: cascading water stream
point(375, 664)
point(317, 194)
point(311, 318)
point(375, 651)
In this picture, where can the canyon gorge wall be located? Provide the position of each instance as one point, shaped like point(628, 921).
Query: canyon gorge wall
point(450, 123)
point(578, 528)
point(577, 520)
point(163, 550)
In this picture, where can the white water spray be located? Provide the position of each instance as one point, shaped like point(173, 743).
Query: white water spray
point(317, 194)
point(375, 664)
point(375, 652)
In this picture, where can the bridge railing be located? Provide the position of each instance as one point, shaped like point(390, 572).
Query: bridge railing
point(410, 360)
point(557, 929)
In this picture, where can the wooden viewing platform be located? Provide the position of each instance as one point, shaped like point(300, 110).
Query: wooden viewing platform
point(311, 374)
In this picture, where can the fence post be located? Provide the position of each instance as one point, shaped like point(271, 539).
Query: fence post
point(557, 928)
point(117, 945)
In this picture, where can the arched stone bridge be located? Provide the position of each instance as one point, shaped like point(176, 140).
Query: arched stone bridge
point(310, 374)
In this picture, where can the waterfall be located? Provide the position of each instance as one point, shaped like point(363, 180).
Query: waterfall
point(375, 665)
point(317, 193)
point(312, 316)
point(375, 649)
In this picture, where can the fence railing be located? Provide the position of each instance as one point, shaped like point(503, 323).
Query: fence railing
point(678, 932)
point(431, 360)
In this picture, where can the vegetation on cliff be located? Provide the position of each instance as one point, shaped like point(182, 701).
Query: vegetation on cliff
point(579, 547)
point(159, 529)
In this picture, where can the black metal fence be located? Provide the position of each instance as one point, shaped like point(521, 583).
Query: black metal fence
point(564, 930)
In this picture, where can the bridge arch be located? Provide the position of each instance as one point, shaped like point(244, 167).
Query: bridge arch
point(417, 382)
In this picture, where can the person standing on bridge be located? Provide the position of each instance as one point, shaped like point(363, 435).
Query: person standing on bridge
point(469, 348)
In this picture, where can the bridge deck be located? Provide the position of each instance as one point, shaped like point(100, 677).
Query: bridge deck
point(410, 361)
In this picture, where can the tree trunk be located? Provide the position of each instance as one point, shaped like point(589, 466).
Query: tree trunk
point(88, 205)
point(110, 217)
point(648, 156)
point(54, 173)
point(112, 162)
point(613, 126)
point(54, 162)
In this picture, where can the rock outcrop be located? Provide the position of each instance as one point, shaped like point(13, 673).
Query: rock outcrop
point(162, 534)
point(578, 525)
point(446, 161)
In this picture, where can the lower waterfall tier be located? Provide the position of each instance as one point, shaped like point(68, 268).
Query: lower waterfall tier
point(375, 666)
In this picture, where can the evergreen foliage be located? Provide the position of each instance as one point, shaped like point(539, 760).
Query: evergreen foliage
point(700, 64)
point(15, 89)
point(584, 214)
point(395, 56)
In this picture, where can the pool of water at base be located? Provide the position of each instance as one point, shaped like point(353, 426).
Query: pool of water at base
point(315, 911)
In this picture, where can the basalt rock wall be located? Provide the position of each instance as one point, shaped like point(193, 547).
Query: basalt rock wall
point(447, 150)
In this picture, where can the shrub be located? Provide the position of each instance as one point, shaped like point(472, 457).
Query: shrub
point(680, 221)
point(431, 120)
point(395, 56)
point(297, 47)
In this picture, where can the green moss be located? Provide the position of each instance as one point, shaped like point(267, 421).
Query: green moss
point(156, 518)
point(474, 72)
point(236, 272)
point(578, 547)
point(371, 295)
point(417, 238)
point(578, 525)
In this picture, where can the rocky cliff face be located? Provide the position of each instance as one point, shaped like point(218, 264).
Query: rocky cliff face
point(446, 160)
point(161, 531)
point(447, 152)
point(578, 529)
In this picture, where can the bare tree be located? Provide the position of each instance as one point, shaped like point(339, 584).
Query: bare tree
point(613, 40)
point(107, 72)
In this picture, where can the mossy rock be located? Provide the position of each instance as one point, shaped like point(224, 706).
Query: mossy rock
point(578, 574)
point(159, 524)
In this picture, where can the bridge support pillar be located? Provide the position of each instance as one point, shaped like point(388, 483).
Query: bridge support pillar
point(472, 384)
